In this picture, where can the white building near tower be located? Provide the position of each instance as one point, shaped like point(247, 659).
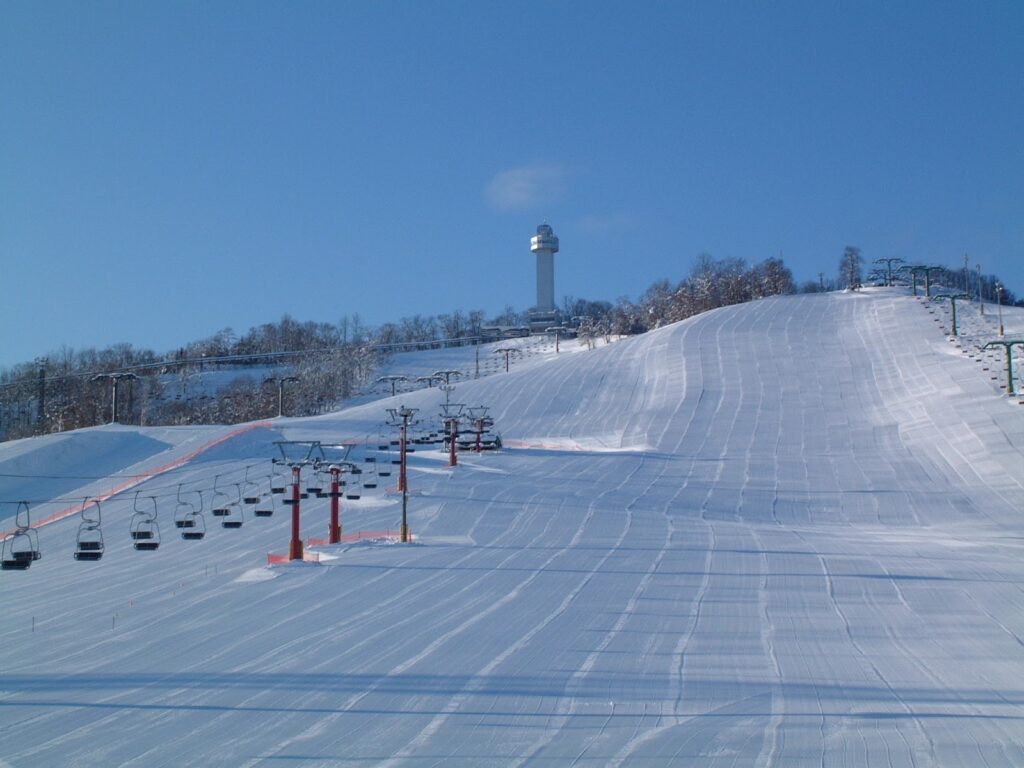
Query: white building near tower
point(545, 245)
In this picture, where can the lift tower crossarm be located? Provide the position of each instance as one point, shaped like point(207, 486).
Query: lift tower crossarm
point(1008, 345)
point(888, 268)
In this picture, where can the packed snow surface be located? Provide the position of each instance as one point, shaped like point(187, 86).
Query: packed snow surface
point(783, 533)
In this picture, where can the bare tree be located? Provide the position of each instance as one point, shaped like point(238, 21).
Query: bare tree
point(850, 268)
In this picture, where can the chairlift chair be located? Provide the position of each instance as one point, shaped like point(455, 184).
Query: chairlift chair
point(21, 549)
point(143, 527)
point(252, 490)
point(352, 489)
point(18, 552)
point(266, 506)
point(277, 479)
point(183, 512)
point(197, 530)
point(89, 540)
point(221, 504)
point(236, 515)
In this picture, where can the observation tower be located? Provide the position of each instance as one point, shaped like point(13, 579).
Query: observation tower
point(545, 245)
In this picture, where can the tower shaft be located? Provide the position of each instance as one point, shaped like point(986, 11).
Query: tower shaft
point(545, 280)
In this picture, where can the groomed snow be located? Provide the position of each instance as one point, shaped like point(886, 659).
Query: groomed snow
point(783, 533)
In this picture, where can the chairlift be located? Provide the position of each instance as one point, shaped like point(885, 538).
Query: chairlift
point(89, 541)
point(316, 483)
point(21, 549)
point(277, 479)
point(189, 518)
point(221, 504)
point(198, 529)
point(18, 553)
point(252, 489)
point(236, 519)
point(143, 527)
point(183, 512)
point(266, 506)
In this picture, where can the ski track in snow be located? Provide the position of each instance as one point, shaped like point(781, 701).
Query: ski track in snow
point(781, 533)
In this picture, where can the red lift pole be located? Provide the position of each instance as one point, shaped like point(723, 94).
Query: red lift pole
point(453, 435)
point(295, 546)
point(334, 532)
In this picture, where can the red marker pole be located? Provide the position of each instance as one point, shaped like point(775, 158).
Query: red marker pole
point(334, 532)
point(453, 435)
point(295, 546)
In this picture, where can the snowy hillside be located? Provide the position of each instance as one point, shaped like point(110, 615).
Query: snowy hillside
point(782, 533)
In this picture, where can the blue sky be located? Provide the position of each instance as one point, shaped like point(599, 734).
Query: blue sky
point(168, 170)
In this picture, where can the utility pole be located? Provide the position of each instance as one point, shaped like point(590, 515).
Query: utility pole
point(41, 414)
point(967, 284)
point(400, 416)
point(821, 281)
point(999, 298)
point(952, 301)
point(981, 304)
point(888, 265)
point(1008, 345)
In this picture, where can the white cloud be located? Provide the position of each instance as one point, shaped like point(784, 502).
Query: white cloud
point(604, 224)
point(525, 187)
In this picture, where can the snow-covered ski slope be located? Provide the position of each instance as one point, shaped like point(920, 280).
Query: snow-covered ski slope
point(784, 533)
